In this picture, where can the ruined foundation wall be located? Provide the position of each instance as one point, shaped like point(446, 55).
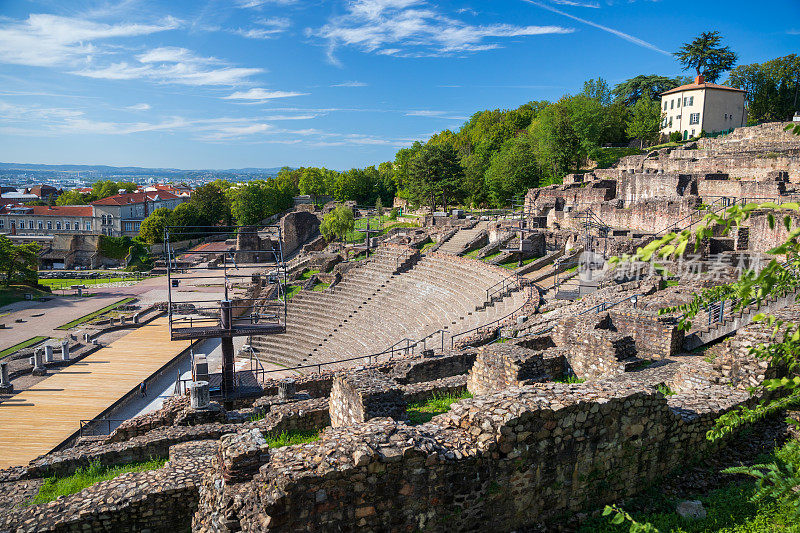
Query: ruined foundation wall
point(494, 463)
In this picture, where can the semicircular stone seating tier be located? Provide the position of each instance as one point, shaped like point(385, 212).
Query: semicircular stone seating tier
point(374, 306)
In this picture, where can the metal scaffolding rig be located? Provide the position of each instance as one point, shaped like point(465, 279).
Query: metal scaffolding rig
point(256, 256)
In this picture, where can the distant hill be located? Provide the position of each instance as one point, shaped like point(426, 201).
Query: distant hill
point(105, 170)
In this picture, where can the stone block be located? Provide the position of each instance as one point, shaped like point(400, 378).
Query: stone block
point(359, 396)
point(241, 455)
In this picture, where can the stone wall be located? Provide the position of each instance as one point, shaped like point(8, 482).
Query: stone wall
point(502, 366)
point(762, 238)
point(296, 228)
point(359, 396)
point(592, 348)
point(509, 460)
point(162, 500)
point(654, 336)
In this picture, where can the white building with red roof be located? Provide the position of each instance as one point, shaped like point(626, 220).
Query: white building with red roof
point(122, 214)
point(700, 106)
point(118, 215)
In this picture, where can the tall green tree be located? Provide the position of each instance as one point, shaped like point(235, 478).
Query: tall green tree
point(629, 91)
point(337, 223)
point(212, 203)
point(152, 228)
point(19, 262)
point(773, 88)
point(312, 182)
point(598, 89)
point(188, 216)
point(706, 56)
point(71, 197)
point(513, 170)
point(435, 172)
point(645, 121)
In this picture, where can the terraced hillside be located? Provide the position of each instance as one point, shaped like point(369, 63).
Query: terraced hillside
point(393, 296)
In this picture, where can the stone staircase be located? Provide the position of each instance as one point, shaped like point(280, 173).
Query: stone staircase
point(375, 306)
point(457, 243)
point(708, 333)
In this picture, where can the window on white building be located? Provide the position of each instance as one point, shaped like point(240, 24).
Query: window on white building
point(694, 118)
point(2, 223)
point(88, 226)
point(665, 105)
point(58, 224)
point(40, 224)
point(691, 100)
point(670, 122)
point(679, 102)
point(49, 224)
point(672, 104)
point(104, 219)
point(30, 224)
point(67, 225)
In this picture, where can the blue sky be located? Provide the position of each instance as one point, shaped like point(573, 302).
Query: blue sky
point(264, 83)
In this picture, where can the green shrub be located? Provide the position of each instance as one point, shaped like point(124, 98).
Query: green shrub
point(675, 137)
point(419, 413)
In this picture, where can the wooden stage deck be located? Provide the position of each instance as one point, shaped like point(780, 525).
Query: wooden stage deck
point(37, 420)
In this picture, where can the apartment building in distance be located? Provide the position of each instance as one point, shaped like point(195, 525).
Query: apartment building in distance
point(700, 106)
point(122, 214)
point(115, 216)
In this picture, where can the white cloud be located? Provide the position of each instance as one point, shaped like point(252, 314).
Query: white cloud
point(621, 35)
point(50, 40)
point(409, 28)
point(139, 107)
point(173, 65)
point(350, 84)
point(572, 3)
point(434, 114)
point(270, 27)
point(257, 4)
point(261, 95)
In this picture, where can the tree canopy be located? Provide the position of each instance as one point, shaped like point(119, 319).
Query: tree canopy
point(19, 262)
point(706, 56)
point(772, 88)
point(337, 223)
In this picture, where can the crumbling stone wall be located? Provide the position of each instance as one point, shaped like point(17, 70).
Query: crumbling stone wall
point(592, 348)
point(359, 396)
point(500, 462)
point(654, 336)
point(502, 366)
point(296, 228)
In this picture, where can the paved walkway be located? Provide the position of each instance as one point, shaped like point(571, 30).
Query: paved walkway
point(38, 419)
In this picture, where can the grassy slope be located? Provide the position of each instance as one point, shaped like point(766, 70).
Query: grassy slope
point(94, 315)
point(419, 413)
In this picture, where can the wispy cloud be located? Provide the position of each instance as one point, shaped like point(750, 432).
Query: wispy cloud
point(621, 35)
point(173, 65)
point(350, 84)
point(259, 95)
point(429, 113)
point(139, 107)
point(572, 3)
point(257, 4)
point(49, 40)
point(409, 28)
point(268, 28)
point(793, 32)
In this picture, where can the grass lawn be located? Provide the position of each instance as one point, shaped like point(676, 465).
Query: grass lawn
point(23, 344)
point(58, 283)
point(570, 379)
point(54, 487)
point(291, 438)
point(607, 157)
point(427, 246)
point(291, 290)
point(320, 286)
point(419, 413)
point(16, 293)
point(91, 316)
point(308, 273)
point(512, 264)
point(491, 256)
point(473, 254)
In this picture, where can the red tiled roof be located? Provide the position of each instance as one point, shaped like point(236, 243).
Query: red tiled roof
point(692, 86)
point(56, 210)
point(136, 198)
